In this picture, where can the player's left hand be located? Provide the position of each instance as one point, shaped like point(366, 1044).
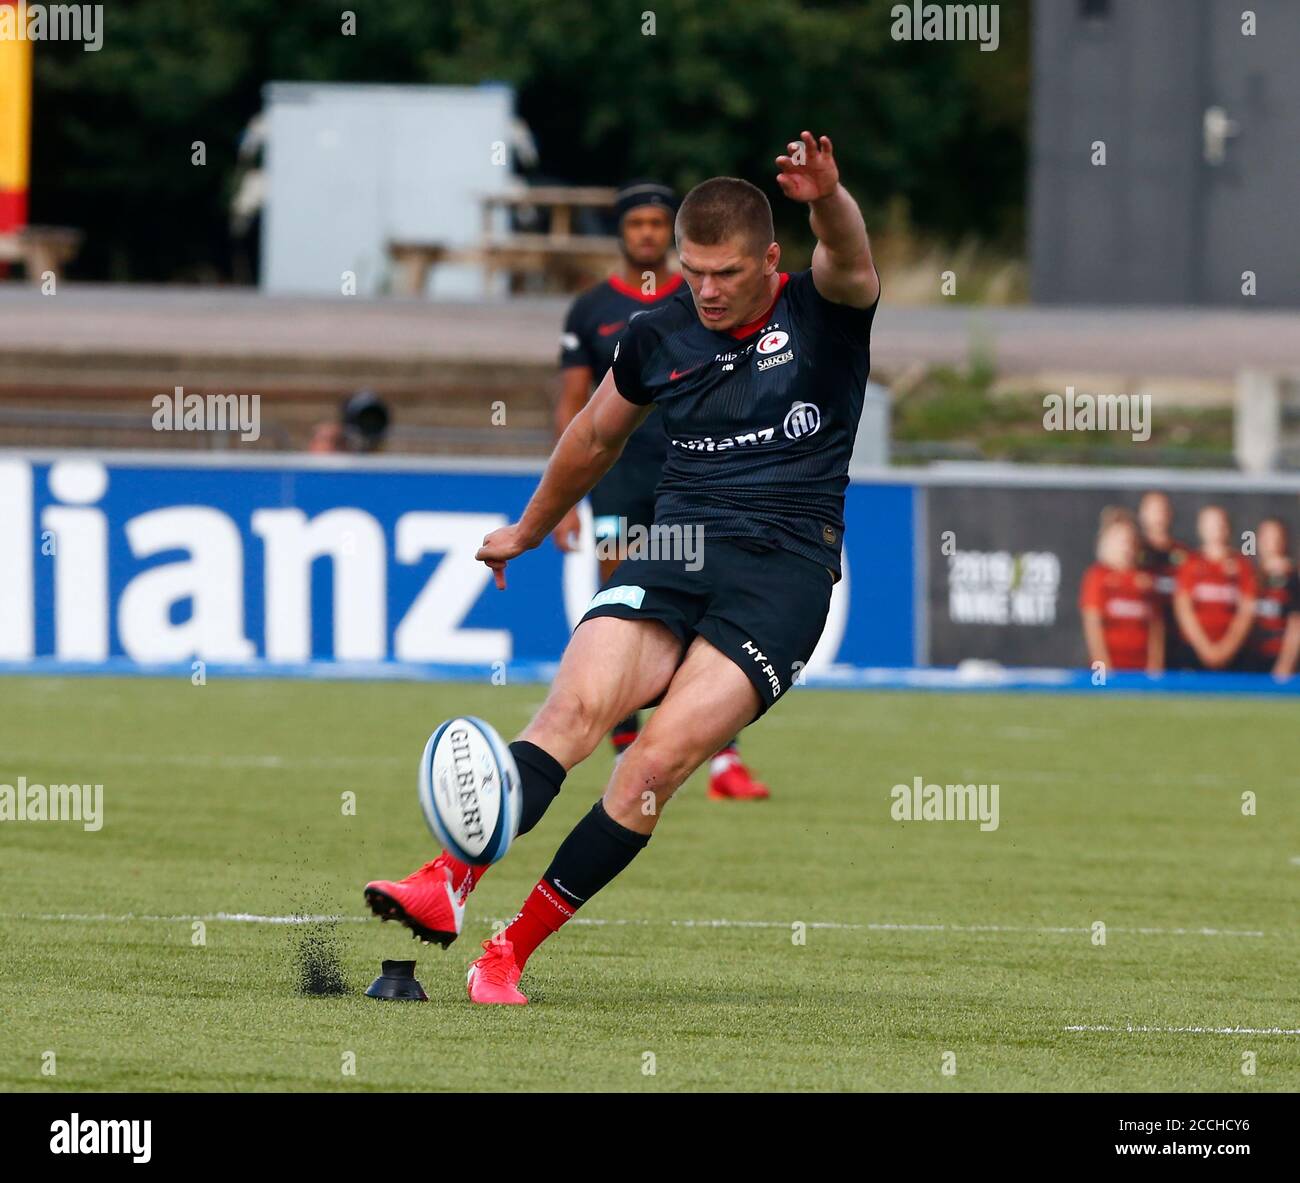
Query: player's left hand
point(500, 547)
point(809, 171)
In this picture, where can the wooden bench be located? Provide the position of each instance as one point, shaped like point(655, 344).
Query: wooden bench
point(563, 259)
point(40, 249)
point(560, 258)
point(412, 262)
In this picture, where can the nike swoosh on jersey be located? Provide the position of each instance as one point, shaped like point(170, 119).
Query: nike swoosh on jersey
point(682, 373)
point(605, 330)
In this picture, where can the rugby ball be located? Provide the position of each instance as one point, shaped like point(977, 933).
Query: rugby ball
point(469, 790)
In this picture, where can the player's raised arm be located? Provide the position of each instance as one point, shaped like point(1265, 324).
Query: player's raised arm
point(842, 267)
point(586, 451)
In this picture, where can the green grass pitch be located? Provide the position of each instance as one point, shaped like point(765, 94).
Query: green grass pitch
point(922, 938)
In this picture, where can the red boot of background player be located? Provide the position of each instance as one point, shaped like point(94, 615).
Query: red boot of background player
point(730, 780)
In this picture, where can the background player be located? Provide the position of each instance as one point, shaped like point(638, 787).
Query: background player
point(778, 364)
point(1215, 599)
point(626, 494)
point(1274, 644)
point(1161, 555)
point(1122, 622)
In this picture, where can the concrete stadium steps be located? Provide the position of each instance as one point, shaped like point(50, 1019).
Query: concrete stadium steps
point(103, 400)
point(428, 425)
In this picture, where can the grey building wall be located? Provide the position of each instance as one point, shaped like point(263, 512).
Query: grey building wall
point(351, 166)
point(1162, 222)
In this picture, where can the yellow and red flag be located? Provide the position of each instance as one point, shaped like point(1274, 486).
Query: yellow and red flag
point(15, 116)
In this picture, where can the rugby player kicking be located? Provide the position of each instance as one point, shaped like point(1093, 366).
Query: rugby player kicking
point(624, 498)
point(759, 376)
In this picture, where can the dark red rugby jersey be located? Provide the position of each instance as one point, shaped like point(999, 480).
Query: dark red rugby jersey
point(1217, 589)
point(760, 420)
point(1278, 598)
point(596, 321)
point(1126, 602)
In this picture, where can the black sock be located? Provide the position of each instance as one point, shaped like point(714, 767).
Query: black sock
point(595, 852)
point(625, 732)
point(540, 778)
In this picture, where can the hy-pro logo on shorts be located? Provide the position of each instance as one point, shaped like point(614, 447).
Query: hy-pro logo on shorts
point(761, 660)
point(801, 420)
point(627, 593)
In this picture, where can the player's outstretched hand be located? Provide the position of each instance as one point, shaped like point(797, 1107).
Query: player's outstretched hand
point(809, 171)
point(499, 548)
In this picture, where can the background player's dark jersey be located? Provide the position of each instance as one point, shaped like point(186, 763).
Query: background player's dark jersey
point(760, 421)
point(1162, 564)
point(593, 327)
point(1278, 596)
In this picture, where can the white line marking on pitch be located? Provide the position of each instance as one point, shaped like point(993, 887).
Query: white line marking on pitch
point(254, 918)
point(1193, 1030)
point(1177, 932)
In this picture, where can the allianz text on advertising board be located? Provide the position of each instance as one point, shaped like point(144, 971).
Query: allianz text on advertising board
point(311, 562)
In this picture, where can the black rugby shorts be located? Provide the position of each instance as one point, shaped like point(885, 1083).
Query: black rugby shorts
point(762, 606)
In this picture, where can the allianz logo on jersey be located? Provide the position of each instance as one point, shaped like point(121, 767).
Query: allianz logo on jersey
point(802, 419)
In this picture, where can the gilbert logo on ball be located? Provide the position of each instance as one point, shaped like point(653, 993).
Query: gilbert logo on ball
point(469, 790)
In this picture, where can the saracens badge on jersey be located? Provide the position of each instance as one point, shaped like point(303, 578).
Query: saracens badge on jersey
point(766, 350)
